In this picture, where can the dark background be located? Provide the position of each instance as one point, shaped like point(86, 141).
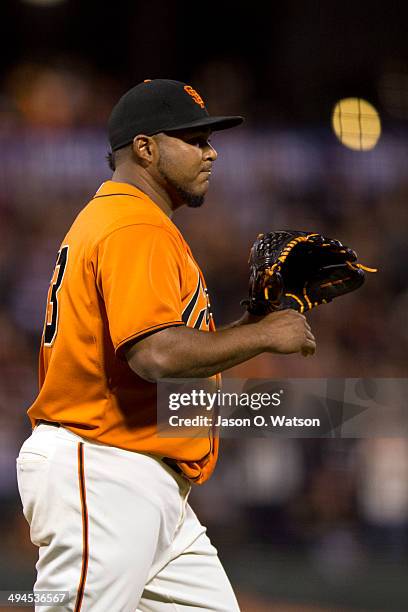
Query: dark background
point(296, 59)
point(299, 524)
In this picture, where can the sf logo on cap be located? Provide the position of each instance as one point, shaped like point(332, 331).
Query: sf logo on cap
point(196, 96)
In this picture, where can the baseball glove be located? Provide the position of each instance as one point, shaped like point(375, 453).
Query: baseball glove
point(300, 270)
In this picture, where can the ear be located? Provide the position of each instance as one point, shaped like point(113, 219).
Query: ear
point(144, 147)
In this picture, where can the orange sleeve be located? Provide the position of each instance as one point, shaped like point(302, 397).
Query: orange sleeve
point(139, 270)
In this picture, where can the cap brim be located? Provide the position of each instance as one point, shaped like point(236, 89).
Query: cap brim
point(214, 123)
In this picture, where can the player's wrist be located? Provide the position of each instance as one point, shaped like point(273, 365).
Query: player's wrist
point(246, 319)
point(260, 332)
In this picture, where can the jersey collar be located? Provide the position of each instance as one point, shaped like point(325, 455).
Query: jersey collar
point(111, 187)
point(117, 188)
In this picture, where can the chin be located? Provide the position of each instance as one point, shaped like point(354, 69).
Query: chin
point(195, 200)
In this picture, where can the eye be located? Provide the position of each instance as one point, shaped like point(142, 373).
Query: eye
point(200, 141)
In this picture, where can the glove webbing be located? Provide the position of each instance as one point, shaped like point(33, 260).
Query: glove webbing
point(282, 258)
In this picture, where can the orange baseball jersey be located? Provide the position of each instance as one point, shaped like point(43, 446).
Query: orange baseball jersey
point(123, 271)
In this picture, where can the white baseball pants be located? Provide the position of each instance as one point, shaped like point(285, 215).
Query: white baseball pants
point(114, 529)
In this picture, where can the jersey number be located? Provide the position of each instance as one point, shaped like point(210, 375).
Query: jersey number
point(51, 317)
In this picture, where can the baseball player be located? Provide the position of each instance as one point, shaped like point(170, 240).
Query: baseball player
point(105, 497)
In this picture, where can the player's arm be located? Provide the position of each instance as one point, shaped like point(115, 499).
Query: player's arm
point(244, 320)
point(183, 352)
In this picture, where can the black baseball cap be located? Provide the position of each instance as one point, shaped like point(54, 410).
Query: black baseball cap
point(161, 105)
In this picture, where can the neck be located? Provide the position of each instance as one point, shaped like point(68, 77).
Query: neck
point(146, 183)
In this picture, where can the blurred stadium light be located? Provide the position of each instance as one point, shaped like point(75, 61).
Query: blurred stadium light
point(356, 124)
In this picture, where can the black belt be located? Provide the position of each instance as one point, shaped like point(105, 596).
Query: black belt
point(43, 422)
point(173, 464)
point(167, 460)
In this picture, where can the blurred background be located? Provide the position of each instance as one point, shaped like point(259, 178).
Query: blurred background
point(300, 524)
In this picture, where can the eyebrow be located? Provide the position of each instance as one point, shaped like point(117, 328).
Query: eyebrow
point(188, 134)
point(205, 135)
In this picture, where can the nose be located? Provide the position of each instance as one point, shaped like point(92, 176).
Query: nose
point(210, 153)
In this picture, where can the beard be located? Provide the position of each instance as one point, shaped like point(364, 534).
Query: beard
point(179, 194)
point(189, 199)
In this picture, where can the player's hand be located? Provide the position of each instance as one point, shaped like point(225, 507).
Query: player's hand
point(287, 331)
